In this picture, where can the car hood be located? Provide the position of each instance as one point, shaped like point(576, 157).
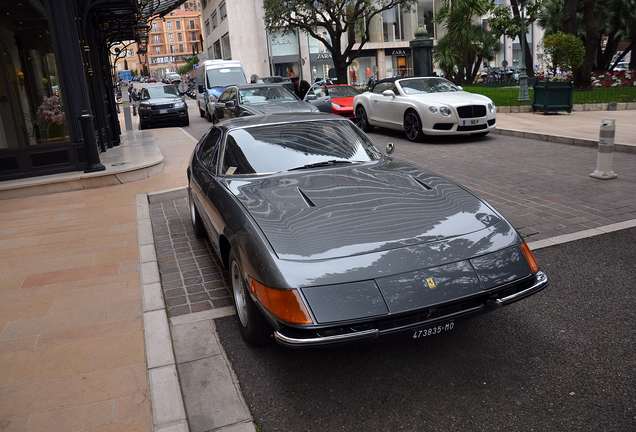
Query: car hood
point(346, 101)
point(358, 209)
point(452, 98)
point(280, 107)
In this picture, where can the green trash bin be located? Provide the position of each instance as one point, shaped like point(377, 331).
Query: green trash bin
point(552, 96)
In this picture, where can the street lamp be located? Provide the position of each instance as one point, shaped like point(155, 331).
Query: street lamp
point(523, 78)
point(141, 31)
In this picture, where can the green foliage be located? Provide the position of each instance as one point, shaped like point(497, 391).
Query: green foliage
point(562, 50)
point(133, 72)
point(460, 52)
point(344, 20)
point(506, 20)
point(189, 65)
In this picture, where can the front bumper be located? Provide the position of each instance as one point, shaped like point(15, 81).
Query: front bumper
point(406, 324)
point(154, 116)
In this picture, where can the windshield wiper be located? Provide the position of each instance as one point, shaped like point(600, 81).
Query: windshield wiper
point(322, 164)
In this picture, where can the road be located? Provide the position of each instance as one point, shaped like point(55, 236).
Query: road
point(562, 360)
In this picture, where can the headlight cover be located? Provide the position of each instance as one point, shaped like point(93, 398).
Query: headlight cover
point(491, 107)
point(445, 111)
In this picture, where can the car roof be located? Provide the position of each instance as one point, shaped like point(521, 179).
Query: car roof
point(258, 85)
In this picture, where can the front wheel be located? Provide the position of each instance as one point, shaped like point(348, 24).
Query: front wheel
point(362, 121)
point(254, 329)
point(413, 126)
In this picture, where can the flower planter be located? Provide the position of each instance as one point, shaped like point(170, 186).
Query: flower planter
point(553, 96)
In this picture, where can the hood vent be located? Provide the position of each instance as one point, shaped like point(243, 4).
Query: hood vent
point(421, 183)
point(308, 201)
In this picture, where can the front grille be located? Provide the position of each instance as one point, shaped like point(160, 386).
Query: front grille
point(471, 111)
point(471, 128)
point(164, 106)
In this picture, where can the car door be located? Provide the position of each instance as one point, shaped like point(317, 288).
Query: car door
point(382, 106)
point(221, 108)
point(319, 97)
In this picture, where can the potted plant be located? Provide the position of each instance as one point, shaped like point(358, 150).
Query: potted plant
point(562, 52)
point(50, 121)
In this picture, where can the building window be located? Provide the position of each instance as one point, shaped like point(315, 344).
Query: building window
point(178, 25)
point(179, 37)
point(157, 50)
point(154, 27)
point(191, 24)
point(180, 48)
point(170, 37)
point(194, 36)
point(172, 49)
point(392, 25)
point(156, 39)
point(215, 21)
point(217, 50)
point(227, 52)
point(169, 25)
point(207, 27)
point(195, 47)
point(223, 11)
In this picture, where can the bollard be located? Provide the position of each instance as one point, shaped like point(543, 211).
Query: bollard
point(605, 151)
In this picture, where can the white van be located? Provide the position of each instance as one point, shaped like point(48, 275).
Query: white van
point(212, 77)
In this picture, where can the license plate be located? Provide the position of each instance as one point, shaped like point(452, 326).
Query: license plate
point(474, 122)
point(430, 331)
point(164, 111)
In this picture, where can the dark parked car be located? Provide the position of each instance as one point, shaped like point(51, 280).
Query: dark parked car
point(253, 99)
point(162, 104)
point(329, 241)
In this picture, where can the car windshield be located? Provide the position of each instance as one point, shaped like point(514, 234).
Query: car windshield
point(427, 85)
point(342, 91)
point(266, 94)
point(303, 145)
point(159, 92)
point(225, 77)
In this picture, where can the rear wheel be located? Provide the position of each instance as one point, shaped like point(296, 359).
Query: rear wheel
point(413, 126)
point(362, 120)
point(254, 329)
point(197, 223)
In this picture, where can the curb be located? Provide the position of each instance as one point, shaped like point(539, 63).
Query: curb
point(166, 401)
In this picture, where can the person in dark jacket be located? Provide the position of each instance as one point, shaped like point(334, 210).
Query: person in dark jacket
point(301, 87)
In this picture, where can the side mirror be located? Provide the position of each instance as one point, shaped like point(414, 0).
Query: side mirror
point(230, 104)
point(311, 97)
point(388, 93)
point(460, 88)
point(200, 88)
point(390, 147)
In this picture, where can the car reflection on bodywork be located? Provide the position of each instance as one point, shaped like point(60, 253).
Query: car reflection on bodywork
point(162, 104)
point(329, 241)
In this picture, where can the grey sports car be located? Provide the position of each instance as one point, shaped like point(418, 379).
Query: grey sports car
point(328, 240)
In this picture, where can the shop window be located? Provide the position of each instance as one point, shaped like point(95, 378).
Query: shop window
point(32, 107)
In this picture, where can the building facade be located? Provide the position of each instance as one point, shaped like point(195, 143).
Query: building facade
point(57, 105)
point(387, 54)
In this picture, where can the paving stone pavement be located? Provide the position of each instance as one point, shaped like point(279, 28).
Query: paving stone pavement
point(193, 279)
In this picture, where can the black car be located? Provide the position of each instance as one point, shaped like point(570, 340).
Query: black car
point(162, 104)
point(253, 99)
point(329, 241)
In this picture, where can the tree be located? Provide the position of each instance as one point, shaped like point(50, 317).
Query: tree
point(125, 64)
point(339, 18)
point(562, 51)
point(506, 21)
point(189, 65)
point(460, 52)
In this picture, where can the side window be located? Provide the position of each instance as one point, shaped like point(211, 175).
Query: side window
point(209, 153)
point(234, 160)
point(385, 86)
point(224, 96)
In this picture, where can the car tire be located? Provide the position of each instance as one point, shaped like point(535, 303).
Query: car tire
point(186, 122)
point(253, 327)
point(142, 126)
point(208, 116)
point(201, 112)
point(362, 121)
point(413, 126)
point(195, 217)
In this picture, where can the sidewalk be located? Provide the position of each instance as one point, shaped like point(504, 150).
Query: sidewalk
point(77, 279)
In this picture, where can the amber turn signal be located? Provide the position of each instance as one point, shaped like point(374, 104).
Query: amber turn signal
point(285, 304)
point(532, 262)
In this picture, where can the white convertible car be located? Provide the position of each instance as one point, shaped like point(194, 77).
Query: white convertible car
point(423, 106)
